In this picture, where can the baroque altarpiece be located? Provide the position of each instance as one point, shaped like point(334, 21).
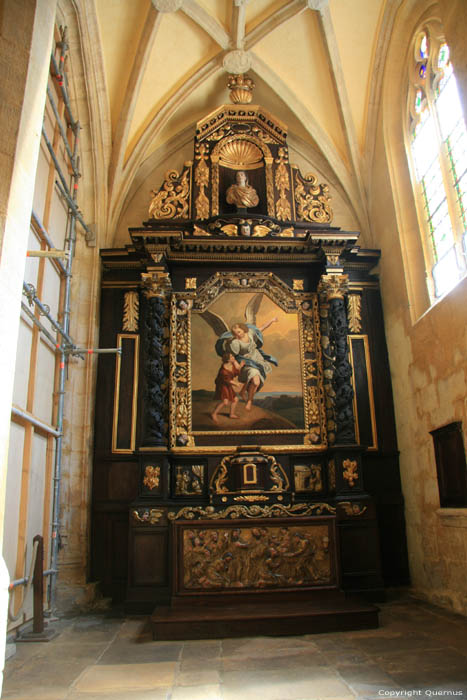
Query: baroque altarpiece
point(245, 449)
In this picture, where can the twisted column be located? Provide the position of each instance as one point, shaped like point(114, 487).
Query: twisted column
point(156, 284)
point(333, 288)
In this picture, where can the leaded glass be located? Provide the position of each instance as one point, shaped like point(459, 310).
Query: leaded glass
point(439, 151)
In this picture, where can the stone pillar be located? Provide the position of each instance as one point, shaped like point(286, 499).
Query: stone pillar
point(156, 285)
point(26, 31)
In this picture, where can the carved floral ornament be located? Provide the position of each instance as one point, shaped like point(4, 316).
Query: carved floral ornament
point(350, 471)
point(130, 312)
point(354, 312)
point(277, 510)
point(151, 477)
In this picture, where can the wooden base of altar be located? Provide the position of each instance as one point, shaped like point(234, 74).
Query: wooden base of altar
point(322, 612)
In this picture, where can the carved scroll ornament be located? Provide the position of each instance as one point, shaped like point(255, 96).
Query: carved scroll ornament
point(312, 199)
point(173, 198)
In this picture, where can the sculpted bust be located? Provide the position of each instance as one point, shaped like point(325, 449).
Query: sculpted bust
point(241, 193)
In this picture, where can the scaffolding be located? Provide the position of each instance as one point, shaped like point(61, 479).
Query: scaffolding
point(59, 338)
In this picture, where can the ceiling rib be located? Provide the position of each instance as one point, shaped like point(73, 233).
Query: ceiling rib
point(204, 20)
point(279, 17)
point(316, 132)
point(238, 22)
point(142, 54)
point(150, 132)
point(345, 111)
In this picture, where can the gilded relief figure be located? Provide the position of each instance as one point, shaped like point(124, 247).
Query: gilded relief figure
point(241, 193)
point(256, 557)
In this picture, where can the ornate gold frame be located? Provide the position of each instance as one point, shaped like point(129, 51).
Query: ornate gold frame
point(134, 400)
point(371, 397)
point(182, 437)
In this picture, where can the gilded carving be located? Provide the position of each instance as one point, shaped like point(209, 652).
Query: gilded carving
point(152, 477)
point(190, 282)
point(259, 231)
point(148, 516)
point(277, 510)
point(172, 200)
point(251, 498)
point(350, 472)
point(283, 211)
point(130, 312)
point(230, 230)
point(354, 313)
point(308, 477)
point(298, 285)
point(276, 477)
point(352, 509)
point(197, 231)
point(202, 181)
point(182, 336)
point(221, 477)
point(263, 135)
point(155, 284)
point(241, 88)
point(333, 286)
point(312, 199)
point(269, 187)
point(256, 557)
point(189, 480)
point(288, 233)
point(240, 154)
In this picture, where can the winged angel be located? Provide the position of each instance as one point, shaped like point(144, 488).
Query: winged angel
point(241, 346)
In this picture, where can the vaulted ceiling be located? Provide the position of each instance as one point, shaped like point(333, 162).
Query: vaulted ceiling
point(316, 65)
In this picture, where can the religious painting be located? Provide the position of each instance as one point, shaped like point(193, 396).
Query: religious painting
point(252, 556)
point(245, 356)
point(246, 364)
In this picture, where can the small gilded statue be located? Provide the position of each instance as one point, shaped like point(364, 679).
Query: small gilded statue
point(241, 193)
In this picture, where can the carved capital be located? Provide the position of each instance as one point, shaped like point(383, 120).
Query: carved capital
point(155, 283)
point(334, 286)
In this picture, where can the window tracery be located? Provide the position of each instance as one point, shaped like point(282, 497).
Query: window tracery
point(438, 152)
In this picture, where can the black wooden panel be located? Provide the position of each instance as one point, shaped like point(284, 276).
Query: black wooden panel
point(122, 480)
point(373, 325)
point(149, 558)
point(362, 391)
point(125, 394)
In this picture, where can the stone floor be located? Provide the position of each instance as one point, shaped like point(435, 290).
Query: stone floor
point(419, 651)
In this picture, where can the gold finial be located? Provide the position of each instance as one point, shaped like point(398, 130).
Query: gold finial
point(241, 88)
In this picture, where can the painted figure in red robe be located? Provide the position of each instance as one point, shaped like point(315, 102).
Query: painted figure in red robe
point(226, 383)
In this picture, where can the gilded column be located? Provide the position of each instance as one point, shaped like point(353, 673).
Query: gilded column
point(156, 285)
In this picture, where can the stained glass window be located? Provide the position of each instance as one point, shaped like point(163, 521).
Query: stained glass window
point(438, 141)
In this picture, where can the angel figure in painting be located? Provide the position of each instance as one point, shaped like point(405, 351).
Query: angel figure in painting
point(245, 342)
